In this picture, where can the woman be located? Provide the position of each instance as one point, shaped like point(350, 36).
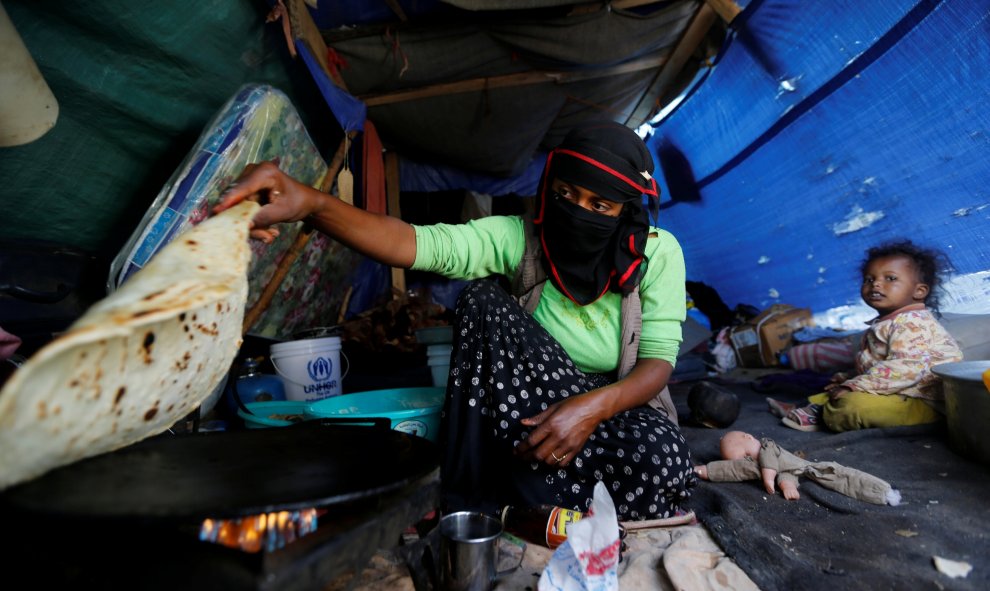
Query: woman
point(538, 408)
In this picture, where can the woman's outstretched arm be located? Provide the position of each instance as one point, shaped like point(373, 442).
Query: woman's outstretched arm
point(385, 239)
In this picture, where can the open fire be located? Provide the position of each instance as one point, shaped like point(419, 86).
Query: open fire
point(268, 531)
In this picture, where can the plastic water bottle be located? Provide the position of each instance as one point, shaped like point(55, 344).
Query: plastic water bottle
point(254, 386)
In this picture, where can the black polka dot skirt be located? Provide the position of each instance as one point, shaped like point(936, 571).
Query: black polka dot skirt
point(505, 367)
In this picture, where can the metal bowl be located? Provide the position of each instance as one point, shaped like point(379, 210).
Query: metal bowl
point(967, 407)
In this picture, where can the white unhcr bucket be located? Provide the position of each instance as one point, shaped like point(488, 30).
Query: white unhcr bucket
point(309, 368)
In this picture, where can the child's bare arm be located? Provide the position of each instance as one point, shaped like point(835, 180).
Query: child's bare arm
point(839, 377)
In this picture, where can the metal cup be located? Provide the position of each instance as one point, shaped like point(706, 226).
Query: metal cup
point(468, 551)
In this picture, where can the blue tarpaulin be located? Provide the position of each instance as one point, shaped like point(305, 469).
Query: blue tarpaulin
point(824, 128)
point(349, 112)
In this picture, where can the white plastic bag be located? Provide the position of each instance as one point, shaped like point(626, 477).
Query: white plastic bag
point(589, 558)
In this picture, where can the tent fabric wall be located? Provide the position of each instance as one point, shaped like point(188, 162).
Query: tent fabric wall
point(136, 82)
point(497, 130)
point(345, 14)
point(424, 177)
point(825, 128)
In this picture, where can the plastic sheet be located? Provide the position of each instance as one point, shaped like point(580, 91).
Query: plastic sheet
point(348, 110)
point(258, 123)
point(823, 129)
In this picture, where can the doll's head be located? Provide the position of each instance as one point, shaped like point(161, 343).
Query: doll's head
point(736, 445)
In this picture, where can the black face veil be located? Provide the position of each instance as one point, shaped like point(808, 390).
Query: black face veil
point(585, 253)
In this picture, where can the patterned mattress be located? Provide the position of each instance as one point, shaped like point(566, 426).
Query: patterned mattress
point(258, 123)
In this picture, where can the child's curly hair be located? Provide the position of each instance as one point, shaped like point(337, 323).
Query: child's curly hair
point(929, 263)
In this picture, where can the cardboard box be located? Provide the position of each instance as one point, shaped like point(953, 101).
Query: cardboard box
point(758, 342)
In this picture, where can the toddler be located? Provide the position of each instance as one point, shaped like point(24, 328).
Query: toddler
point(894, 384)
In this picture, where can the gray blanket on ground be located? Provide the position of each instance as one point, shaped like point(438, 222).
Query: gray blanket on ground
point(826, 540)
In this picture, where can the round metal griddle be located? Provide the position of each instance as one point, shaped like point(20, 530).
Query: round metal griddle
point(232, 474)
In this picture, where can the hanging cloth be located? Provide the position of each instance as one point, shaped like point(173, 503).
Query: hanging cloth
point(372, 170)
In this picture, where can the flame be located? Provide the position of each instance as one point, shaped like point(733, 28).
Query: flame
point(268, 531)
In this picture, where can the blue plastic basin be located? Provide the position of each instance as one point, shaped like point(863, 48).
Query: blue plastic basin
point(274, 413)
point(411, 410)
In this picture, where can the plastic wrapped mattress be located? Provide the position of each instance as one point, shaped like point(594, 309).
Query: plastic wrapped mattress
point(258, 123)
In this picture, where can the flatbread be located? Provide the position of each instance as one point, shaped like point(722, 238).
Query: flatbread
point(138, 360)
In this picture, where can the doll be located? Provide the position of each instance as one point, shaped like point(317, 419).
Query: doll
point(746, 458)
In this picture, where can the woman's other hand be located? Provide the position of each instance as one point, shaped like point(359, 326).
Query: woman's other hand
point(283, 198)
point(561, 431)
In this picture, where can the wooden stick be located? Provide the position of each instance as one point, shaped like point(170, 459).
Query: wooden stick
point(727, 9)
point(392, 196)
point(685, 519)
point(510, 80)
point(343, 305)
point(298, 246)
point(691, 39)
point(336, 162)
point(304, 28)
point(397, 9)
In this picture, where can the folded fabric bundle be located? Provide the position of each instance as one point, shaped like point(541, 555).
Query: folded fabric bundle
point(826, 355)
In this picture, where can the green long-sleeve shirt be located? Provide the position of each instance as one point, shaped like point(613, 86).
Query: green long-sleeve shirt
point(589, 334)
